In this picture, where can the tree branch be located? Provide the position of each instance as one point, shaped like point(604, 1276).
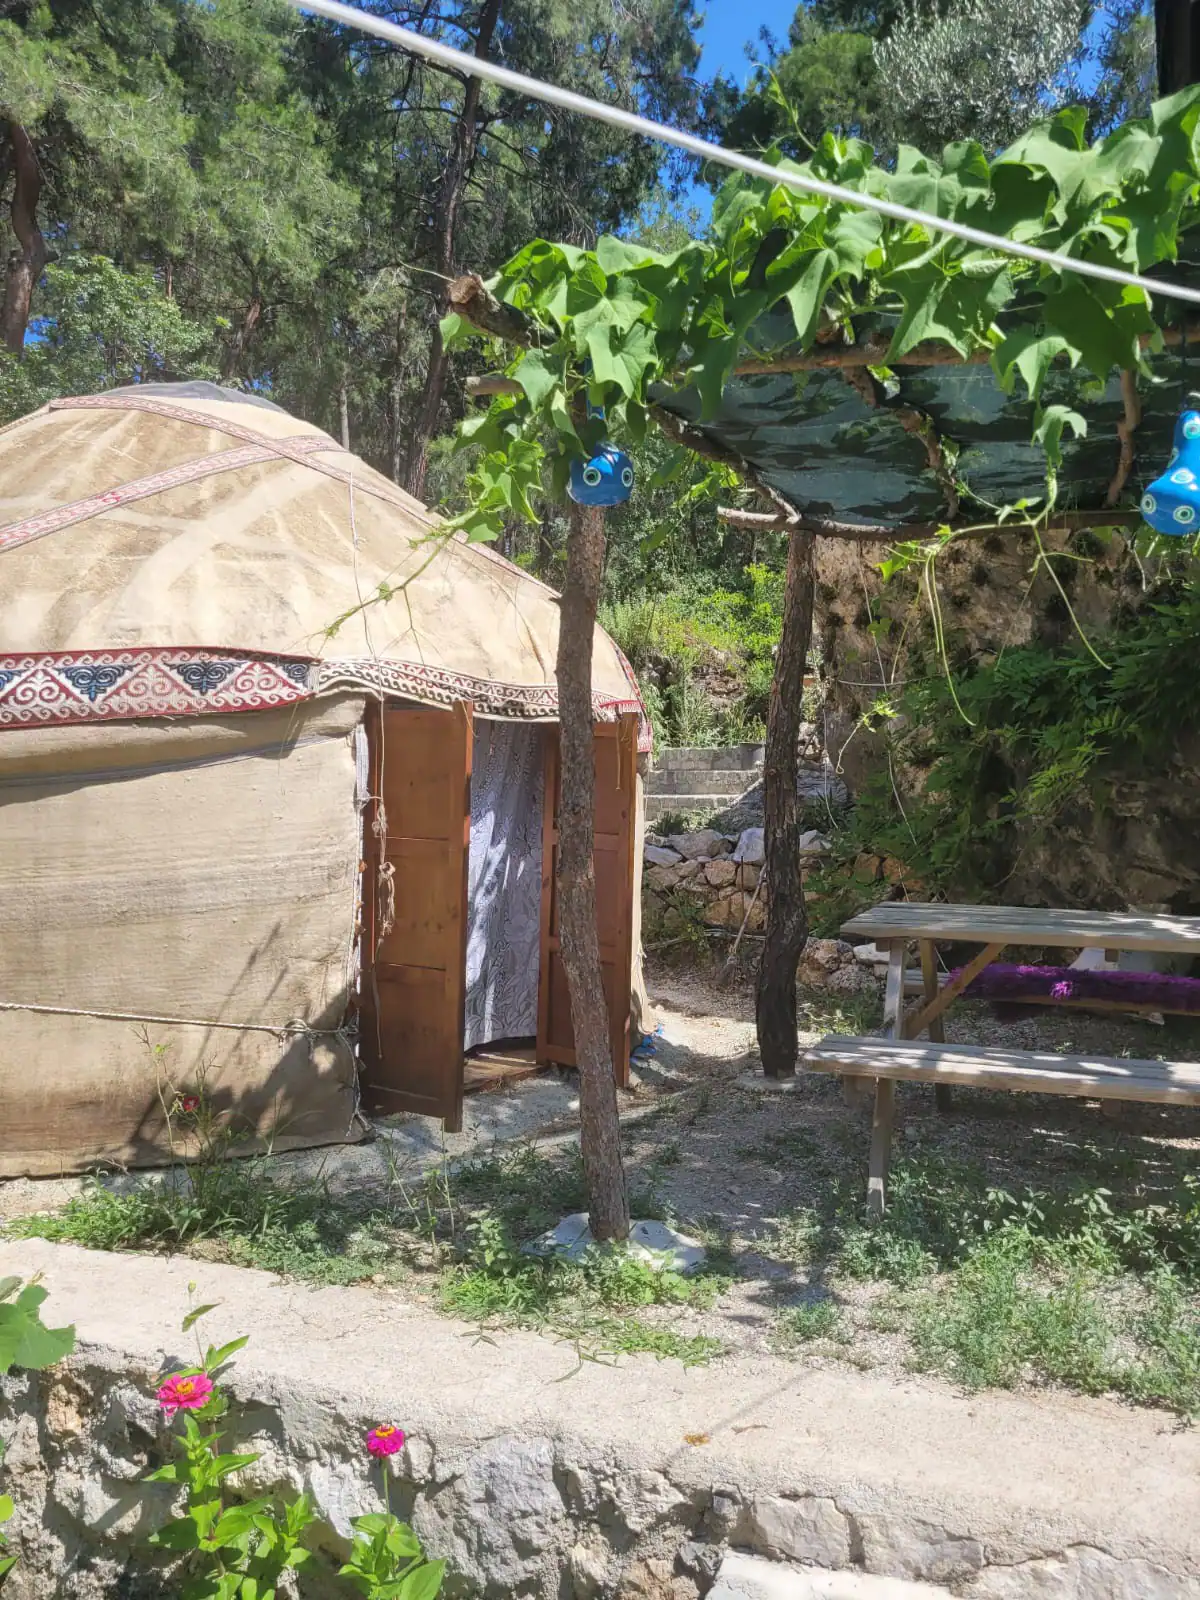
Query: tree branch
point(1125, 431)
point(880, 533)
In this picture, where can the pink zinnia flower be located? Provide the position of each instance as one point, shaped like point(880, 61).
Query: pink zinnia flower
point(185, 1394)
point(385, 1440)
point(188, 1103)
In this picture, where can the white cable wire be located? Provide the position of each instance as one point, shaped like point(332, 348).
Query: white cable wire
point(472, 66)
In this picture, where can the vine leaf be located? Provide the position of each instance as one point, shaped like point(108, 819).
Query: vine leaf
point(1028, 351)
point(1048, 430)
point(25, 1341)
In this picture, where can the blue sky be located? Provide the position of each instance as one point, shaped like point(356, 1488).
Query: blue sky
point(730, 24)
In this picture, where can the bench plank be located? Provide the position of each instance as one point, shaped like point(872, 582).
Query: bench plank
point(1023, 925)
point(986, 1067)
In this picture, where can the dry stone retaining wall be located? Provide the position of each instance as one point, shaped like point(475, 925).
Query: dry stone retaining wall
point(533, 1479)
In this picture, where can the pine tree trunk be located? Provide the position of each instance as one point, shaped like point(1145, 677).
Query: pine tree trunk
point(787, 921)
point(450, 197)
point(344, 413)
point(25, 262)
point(238, 345)
point(599, 1126)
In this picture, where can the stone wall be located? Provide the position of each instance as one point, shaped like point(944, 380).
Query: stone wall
point(536, 1475)
point(1135, 846)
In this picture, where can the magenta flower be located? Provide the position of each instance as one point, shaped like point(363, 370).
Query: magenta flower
point(185, 1394)
point(385, 1440)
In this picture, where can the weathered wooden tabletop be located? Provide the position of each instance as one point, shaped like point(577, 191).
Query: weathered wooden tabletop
point(1024, 925)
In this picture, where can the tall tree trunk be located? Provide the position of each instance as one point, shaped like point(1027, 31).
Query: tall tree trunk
point(344, 412)
point(238, 344)
point(787, 921)
point(450, 197)
point(25, 262)
point(1177, 37)
point(599, 1126)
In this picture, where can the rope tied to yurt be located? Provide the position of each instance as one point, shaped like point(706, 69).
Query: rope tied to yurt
point(297, 1027)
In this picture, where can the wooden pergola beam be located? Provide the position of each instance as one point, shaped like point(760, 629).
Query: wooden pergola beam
point(881, 533)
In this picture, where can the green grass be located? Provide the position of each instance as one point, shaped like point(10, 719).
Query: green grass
point(1079, 1286)
point(818, 1319)
point(461, 1231)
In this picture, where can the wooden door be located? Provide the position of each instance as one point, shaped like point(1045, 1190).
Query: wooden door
point(415, 898)
point(613, 858)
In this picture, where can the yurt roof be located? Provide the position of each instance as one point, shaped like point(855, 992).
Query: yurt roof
point(175, 548)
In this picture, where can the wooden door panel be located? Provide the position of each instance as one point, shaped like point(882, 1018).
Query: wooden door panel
point(416, 970)
point(616, 793)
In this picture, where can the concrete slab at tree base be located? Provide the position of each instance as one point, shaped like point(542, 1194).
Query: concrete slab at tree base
point(537, 1475)
point(759, 1083)
point(654, 1243)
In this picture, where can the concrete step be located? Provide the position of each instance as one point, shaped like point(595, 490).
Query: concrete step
point(680, 757)
point(702, 780)
point(697, 805)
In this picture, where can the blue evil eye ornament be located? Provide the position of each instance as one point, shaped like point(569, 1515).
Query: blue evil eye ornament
point(1172, 503)
point(605, 479)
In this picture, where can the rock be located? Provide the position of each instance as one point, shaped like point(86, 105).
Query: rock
point(746, 1577)
point(588, 1567)
point(750, 876)
point(810, 1529)
point(851, 980)
point(696, 846)
point(906, 1547)
point(719, 914)
point(689, 871)
point(494, 1520)
point(870, 955)
point(721, 872)
point(868, 868)
point(660, 879)
point(1082, 1574)
point(750, 847)
point(659, 856)
point(823, 956)
point(755, 913)
point(894, 871)
point(813, 843)
point(646, 1580)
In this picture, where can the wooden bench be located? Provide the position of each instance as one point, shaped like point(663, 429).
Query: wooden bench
point(986, 1067)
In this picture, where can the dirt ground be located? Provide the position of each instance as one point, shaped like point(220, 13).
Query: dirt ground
point(752, 1164)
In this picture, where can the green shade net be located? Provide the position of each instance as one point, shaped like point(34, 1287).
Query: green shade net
point(812, 437)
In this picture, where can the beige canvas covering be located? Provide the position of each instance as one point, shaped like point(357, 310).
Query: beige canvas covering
point(208, 882)
point(261, 556)
point(197, 593)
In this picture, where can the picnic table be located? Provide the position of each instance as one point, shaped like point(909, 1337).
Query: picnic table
point(898, 1054)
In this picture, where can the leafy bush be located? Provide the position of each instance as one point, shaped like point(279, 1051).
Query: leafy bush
point(1007, 746)
point(704, 655)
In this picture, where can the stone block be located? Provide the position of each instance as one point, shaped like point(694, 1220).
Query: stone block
point(721, 872)
point(660, 879)
point(906, 1547)
point(811, 1529)
point(699, 846)
point(746, 1577)
point(813, 843)
point(868, 868)
point(1082, 1574)
point(750, 847)
point(660, 856)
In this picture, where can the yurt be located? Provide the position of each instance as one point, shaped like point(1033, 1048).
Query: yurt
point(278, 775)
